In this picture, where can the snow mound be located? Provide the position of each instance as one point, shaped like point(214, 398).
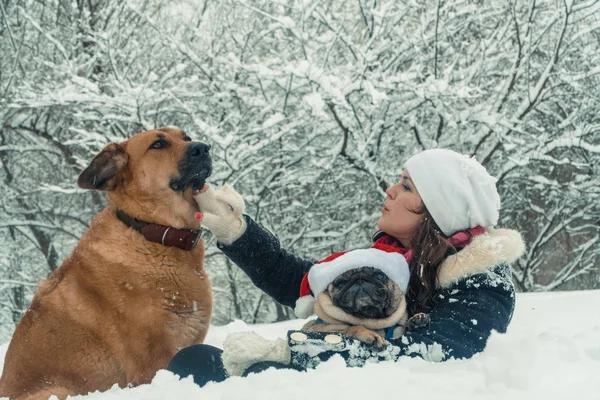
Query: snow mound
point(552, 351)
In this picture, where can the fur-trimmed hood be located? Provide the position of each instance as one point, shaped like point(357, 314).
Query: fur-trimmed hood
point(486, 251)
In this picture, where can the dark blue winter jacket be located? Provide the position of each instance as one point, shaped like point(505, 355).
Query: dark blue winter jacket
point(475, 294)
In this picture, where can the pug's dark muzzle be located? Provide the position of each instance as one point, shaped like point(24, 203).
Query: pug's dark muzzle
point(364, 292)
point(194, 168)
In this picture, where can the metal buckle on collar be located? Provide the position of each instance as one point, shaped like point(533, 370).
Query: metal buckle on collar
point(162, 241)
point(197, 239)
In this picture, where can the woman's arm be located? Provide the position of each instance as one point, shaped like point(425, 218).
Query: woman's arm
point(256, 251)
point(272, 269)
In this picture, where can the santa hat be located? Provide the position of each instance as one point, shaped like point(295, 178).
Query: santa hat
point(388, 259)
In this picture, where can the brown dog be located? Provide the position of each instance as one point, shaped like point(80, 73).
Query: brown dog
point(123, 303)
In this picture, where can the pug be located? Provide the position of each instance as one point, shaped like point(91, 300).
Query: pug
point(361, 304)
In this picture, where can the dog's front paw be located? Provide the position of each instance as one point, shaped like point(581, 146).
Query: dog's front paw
point(418, 320)
point(366, 336)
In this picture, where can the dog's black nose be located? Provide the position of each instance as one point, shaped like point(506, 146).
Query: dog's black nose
point(198, 149)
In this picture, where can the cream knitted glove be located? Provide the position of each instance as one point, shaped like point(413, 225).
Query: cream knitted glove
point(222, 211)
point(242, 349)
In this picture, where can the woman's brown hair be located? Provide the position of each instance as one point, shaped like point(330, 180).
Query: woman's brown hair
point(430, 248)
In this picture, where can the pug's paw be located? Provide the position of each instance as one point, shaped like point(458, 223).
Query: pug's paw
point(418, 320)
point(366, 336)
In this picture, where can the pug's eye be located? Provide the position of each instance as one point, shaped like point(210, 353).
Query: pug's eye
point(340, 283)
point(159, 144)
point(187, 139)
point(380, 276)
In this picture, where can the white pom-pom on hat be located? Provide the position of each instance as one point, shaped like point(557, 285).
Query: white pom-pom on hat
point(305, 306)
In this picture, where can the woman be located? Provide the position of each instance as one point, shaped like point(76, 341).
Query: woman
point(443, 211)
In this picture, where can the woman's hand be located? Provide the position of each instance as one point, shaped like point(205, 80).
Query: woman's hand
point(222, 211)
point(243, 349)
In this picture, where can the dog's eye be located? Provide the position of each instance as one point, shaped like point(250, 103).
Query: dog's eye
point(187, 139)
point(159, 144)
point(340, 283)
point(380, 276)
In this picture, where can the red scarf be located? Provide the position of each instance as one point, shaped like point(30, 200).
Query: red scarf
point(459, 239)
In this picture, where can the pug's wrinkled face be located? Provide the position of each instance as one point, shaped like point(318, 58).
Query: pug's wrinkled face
point(365, 292)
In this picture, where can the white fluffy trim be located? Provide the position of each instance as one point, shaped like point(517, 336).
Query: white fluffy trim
point(393, 264)
point(494, 247)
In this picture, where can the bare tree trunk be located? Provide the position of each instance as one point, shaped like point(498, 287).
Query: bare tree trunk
point(233, 289)
point(283, 313)
point(18, 303)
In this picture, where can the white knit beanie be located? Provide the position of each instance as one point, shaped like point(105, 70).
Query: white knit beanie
point(457, 191)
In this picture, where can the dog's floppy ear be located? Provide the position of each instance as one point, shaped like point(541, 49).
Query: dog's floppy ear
point(104, 168)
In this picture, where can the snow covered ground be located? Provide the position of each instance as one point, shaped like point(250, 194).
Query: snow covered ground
point(552, 351)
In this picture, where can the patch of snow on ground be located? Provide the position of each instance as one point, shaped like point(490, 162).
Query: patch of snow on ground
point(552, 351)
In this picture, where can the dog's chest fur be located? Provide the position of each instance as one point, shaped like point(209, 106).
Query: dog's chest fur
point(150, 282)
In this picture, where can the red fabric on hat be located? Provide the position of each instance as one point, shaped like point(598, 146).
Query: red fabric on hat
point(381, 245)
point(304, 286)
point(332, 257)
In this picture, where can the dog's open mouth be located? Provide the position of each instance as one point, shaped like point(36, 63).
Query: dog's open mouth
point(193, 171)
point(195, 180)
point(198, 191)
point(198, 180)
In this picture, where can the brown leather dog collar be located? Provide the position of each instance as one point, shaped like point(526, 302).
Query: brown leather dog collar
point(185, 239)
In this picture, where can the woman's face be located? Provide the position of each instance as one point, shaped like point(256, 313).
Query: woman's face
point(402, 210)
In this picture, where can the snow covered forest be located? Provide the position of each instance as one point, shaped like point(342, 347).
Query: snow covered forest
point(311, 107)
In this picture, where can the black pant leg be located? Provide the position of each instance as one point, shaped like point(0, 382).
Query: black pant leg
point(202, 361)
point(265, 365)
